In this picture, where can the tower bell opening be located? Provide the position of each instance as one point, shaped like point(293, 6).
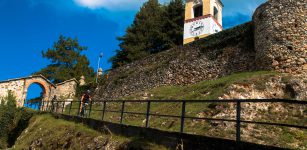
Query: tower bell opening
point(216, 13)
point(198, 11)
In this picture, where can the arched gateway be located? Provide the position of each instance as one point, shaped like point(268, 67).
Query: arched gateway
point(19, 87)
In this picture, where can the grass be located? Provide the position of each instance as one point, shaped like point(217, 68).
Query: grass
point(204, 91)
point(47, 132)
point(207, 89)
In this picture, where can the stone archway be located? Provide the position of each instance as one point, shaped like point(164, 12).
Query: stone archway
point(47, 87)
point(44, 87)
point(37, 101)
point(19, 87)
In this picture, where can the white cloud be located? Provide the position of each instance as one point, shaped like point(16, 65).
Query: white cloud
point(110, 4)
point(91, 3)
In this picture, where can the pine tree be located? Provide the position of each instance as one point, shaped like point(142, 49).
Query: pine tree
point(7, 116)
point(66, 61)
point(174, 23)
point(154, 29)
point(144, 36)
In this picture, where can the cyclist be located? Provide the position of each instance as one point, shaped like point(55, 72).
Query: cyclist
point(85, 99)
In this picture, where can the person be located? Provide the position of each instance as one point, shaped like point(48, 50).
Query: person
point(54, 99)
point(85, 99)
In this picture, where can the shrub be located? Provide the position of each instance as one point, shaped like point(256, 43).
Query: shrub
point(12, 119)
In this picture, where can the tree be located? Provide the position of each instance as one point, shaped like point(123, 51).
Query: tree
point(8, 112)
point(144, 36)
point(66, 61)
point(174, 23)
point(154, 29)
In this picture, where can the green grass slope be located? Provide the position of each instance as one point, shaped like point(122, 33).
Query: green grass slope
point(211, 89)
point(265, 112)
point(47, 132)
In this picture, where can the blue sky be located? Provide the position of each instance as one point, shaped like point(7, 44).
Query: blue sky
point(29, 26)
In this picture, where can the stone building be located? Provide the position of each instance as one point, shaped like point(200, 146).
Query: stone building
point(19, 87)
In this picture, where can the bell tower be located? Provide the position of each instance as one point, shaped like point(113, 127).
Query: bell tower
point(202, 18)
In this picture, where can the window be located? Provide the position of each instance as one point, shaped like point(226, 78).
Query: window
point(198, 11)
point(215, 13)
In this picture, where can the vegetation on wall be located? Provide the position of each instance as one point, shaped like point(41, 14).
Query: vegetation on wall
point(67, 62)
point(155, 28)
point(240, 34)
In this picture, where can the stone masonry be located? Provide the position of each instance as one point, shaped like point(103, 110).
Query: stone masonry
point(280, 33)
point(274, 40)
point(183, 65)
point(20, 86)
point(67, 89)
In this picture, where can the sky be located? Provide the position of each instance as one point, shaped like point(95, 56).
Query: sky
point(27, 27)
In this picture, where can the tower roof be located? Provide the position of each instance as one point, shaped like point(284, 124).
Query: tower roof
point(217, 0)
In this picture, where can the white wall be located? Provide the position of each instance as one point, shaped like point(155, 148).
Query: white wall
point(187, 28)
point(214, 27)
point(215, 3)
point(210, 27)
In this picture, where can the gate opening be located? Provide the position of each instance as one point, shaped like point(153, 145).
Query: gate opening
point(35, 96)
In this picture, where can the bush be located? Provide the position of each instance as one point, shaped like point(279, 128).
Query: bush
point(7, 114)
point(10, 119)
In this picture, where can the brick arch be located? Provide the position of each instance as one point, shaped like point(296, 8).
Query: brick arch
point(47, 87)
point(43, 84)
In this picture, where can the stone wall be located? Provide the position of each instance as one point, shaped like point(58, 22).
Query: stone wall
point(274, 40)
point(20, 86)
point(280, 33)
point(218, 55)
point(67, 89)
point(16, 87)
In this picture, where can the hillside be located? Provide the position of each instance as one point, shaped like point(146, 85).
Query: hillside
point(273, 41)
point(250, 85)
point(262, 59)
point(47, 132)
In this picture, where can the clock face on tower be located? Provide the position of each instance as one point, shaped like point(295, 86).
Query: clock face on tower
point(197, 28)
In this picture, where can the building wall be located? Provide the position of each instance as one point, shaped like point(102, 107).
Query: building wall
point(280, 33)
point(214, 3)
point(211, 25)
point(20, 86)
point(207, 27)
point(67, 89)
point(17, 87)
point(189, 13)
